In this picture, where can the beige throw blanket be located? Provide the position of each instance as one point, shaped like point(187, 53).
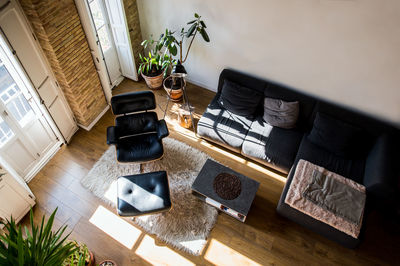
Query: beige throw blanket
point(294, 198)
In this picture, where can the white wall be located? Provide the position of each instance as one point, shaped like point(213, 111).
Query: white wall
point(347, 51)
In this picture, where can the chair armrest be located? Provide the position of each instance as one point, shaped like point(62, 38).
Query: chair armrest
point(380, 170)
point(162, 129)
point(112, 136)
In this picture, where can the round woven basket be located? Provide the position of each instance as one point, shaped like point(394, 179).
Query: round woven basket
point(155, 82)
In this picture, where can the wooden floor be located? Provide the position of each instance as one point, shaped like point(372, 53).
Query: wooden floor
point(265, 238)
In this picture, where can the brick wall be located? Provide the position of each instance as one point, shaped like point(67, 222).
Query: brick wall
point(132, 17)
point(57, 25)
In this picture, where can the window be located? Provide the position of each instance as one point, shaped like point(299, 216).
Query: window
point(100, 24)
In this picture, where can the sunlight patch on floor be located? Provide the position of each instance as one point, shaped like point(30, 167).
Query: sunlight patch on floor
point(115, 226)
point(111, 193)
point(220, 254)
point(159, 255)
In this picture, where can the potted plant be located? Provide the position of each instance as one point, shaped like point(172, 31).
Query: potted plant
point(154, 67)
point(81, 256)
point(173, 86)
point(41, 246)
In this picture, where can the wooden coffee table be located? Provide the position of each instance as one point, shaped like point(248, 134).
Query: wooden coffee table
point(205, 189)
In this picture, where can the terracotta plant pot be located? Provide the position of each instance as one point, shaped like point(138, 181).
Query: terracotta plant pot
point(175, 94)
point(155, 82)
point(92, 259)
point(107, 263)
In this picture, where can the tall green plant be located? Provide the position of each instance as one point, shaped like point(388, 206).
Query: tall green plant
point(196, 26)
point(41, 247)
point(162, 51)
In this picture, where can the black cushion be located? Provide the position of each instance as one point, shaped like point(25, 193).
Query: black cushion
point(141, 148)
point(143, 194)
point(349, 168)
point(136, 124)
point(334, 135)
point(272, 146)
point(239, 100)
point(133, 102)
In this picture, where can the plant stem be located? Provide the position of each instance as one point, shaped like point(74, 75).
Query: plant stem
point(180, 50)
point(190, 45)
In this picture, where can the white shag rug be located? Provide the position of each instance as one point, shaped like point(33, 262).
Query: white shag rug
point(187, 225)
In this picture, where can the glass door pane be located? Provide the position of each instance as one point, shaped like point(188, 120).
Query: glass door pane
point(13, 98)
point(100, 24)
point(5, 132)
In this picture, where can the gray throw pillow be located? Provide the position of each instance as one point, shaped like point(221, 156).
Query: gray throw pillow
point(281, 114)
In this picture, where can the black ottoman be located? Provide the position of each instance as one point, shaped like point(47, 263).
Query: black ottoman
point(143, 194)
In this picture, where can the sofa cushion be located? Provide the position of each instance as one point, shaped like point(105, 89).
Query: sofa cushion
point(349, 168)
point(334, 135)
point(223, 127)
point(353, 169)
point(307, 103)
point(279, 113)
point(273, 146)
point(239, 100)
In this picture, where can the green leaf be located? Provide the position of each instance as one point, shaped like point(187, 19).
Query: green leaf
point(204, 35)
point(203, 24)
point(191, 30)
point(20, 244)
point(173, 49)
point(191, 22)
point(196, 15)
point(41, 247)
point(149, 54)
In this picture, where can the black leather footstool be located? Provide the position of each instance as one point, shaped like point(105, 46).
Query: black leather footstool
point(143, 194)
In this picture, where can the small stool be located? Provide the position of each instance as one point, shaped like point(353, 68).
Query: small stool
point(143, 194)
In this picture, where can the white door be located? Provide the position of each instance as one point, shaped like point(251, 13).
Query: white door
point(106, 41)
point(94, 45)
point(26, 51)
point(119, 27)
point(15, 200)
point(25, 135)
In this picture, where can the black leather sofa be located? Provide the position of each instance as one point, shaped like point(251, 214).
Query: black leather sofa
point(373, 162)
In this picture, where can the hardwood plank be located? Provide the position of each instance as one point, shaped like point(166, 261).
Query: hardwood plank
point(265, 237)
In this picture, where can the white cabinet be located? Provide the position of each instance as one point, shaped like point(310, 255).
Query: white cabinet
point(15, 200)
